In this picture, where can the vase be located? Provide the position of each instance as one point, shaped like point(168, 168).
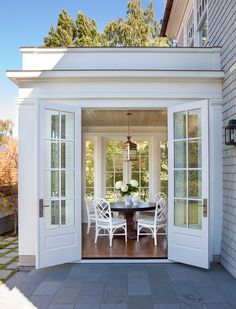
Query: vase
point(135, 200)
point(127, 199)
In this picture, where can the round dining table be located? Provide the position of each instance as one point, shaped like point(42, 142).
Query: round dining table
point(129, 211)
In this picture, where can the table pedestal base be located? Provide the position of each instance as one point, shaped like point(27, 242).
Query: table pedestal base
point(131, 225)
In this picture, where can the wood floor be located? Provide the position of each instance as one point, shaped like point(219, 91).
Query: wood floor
point(132, 249)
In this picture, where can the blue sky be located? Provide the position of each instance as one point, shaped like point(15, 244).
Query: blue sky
point(26, 22)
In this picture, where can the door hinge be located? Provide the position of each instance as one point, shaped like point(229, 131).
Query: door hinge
point(204, 204)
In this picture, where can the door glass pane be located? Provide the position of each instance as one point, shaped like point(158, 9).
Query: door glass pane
point(180, 213)
point(195, 153)
point(194, 123)
point(180, 154)
point(180, 125)
point(67, 126)
point(51, 154)
point(67, 213)
point(144, 179)
point(67, 184)
point(51, 124)
point(180, 184)
point(195, 214)
point(67, 155)
point(51, 184)
point(195, 184)
point(51, 214)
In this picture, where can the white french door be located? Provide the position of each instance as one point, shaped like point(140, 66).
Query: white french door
point(59, 233)
point(188, 184)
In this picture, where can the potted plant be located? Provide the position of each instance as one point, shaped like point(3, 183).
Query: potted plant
point(127, 189)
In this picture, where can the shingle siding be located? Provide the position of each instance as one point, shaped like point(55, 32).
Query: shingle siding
point(222, 32)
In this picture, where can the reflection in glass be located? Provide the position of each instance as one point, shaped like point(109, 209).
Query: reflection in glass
point(51, 124)
point(194, 123)
point(51, 184)
point(180, 154)
point(180, 125)
point(67, 184)
point(194, 154)
point(67, 126)
point(51, 155)
point(67, 213)
point(195, 214)
point(180, 213)
point(55, 212)
point(67, 155)
point(194, 184)
point(180, 184)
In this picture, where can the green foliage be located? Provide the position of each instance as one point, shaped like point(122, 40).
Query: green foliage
point(138, 29)
point(164, 167)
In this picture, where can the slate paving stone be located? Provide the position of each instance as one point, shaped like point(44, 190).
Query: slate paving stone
point(4, 260)
point(13, 265)
point(140, 302)
point(167, 306)
point(88, 302)
point(12, 254)
point(212, 295)
point(164, 295)
point(193, 306)
point(188, 295)
point(114, 299)
point(137, 276)
point(66, 296)
point(4, 273)
point(114, 291)
point(41, 302)
point(92, 288)
point(138, 288)
point(220, 306)
point(113, 306)
point(47, 288)
point(59, 306)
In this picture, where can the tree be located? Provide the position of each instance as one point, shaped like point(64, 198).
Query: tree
point(9, 179)
point(82, 32)
point(6, 129)
point(138, 29)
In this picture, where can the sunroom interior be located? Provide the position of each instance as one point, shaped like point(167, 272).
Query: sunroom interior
point(103, 133)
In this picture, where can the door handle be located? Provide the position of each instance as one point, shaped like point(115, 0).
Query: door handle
point(204, 204)
point(41, 207)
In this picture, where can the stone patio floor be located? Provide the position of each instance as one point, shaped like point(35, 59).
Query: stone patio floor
point(119, 286)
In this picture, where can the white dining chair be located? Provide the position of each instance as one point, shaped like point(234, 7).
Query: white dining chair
point(154, 223)
point(157, 197)
point(90, 211)
point(105, 222)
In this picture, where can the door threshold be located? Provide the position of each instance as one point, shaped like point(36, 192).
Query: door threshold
point(124, 261)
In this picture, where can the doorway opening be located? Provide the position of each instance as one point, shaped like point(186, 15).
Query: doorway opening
point(104, 133)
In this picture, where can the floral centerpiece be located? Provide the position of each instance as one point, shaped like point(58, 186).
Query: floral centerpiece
point(127, 189)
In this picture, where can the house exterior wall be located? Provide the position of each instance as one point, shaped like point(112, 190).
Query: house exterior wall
point(221, 17)
point(222, 32)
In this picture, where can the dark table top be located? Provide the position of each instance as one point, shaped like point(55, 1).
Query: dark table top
point(142, 206)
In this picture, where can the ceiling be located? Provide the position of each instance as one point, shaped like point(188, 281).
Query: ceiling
point(119, 118)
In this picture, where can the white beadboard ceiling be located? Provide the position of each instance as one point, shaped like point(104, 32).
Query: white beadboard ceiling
point(118, 118)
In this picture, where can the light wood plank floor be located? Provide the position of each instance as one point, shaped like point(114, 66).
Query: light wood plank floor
point(132, 249)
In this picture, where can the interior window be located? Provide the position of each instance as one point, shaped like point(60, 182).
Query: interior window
point(89, 167)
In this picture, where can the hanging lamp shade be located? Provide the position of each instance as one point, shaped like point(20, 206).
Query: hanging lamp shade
point(129, 148)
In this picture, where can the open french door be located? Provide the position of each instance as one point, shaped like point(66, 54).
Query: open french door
point(59, 228)
point(188, 184)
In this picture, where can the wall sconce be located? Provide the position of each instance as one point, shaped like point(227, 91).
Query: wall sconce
point(230, 133)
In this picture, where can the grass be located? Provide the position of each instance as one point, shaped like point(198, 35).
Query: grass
point(5, 245)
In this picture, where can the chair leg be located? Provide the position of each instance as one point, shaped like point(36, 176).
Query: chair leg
point(88, 226)
point(138, 234)
point(155, 237)
point(96, 235)
point(110, 237)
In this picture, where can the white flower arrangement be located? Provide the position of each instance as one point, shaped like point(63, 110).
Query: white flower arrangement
point(128, 188)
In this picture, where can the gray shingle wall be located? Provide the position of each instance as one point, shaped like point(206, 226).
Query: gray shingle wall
point(222, 32)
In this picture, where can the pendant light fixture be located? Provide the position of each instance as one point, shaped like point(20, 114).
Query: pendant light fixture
point(129, 148)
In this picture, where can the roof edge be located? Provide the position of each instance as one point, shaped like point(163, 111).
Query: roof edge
point(165, 19)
